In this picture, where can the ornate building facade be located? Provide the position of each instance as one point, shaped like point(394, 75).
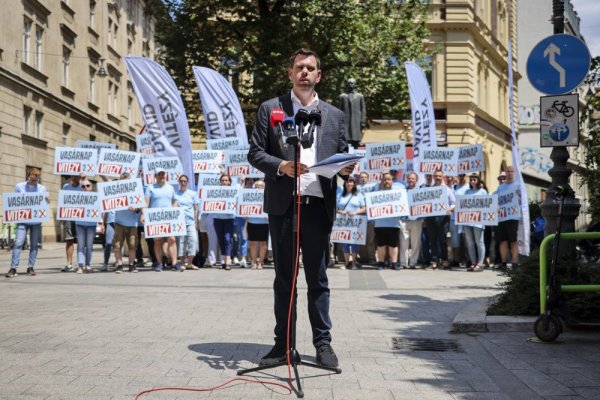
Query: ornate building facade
point(63, 78)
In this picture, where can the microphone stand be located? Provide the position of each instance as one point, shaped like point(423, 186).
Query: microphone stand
point(293, 355)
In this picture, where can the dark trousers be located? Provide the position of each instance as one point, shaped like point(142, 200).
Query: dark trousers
point(224, 229)
point(438, 241)
point(315, 228)
point(139, 254)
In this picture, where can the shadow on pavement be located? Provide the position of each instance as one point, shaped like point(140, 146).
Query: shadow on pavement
point(229, 355)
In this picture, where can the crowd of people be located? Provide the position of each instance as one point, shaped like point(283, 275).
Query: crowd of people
point(224, 240)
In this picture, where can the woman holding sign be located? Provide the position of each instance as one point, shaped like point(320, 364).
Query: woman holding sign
point(224, 226)
point(387, 232)
point(474, 232)
point(85, 237)
point(258, 235)
point(188, 200)
point(351, 202)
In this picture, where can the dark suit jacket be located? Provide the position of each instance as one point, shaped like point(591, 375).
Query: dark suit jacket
point(266, 153)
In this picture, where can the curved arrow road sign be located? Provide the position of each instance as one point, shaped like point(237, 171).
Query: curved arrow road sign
point(558, 64)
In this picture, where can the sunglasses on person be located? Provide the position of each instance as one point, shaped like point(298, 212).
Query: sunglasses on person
point(86, 186)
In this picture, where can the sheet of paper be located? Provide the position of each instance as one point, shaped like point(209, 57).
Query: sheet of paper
point(332, 165)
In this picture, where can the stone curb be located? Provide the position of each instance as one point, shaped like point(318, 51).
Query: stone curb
point(473, 318)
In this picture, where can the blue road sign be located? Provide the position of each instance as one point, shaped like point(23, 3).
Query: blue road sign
point(558, 64)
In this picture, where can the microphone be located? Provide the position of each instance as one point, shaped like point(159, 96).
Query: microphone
point(301, 121)
point(289, 131)
point(314, 120)
point(277, 117)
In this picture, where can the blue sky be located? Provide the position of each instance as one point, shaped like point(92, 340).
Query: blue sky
point(589, 13)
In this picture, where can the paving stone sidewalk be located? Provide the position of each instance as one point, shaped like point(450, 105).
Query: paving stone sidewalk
point(110, 336)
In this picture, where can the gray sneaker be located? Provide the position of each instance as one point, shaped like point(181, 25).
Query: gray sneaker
point(68, 268)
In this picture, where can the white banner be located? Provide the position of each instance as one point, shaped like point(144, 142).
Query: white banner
point(385, 156)
point(524, 227)
point(25, 208)
point(116, 162)
point(508, 206)
point(387, 203)
point(164, 222)
point(349, 229)
point(78, 206)
point(121, 194)
point(421, 106)
point(223, 116)
point(207, 161)
point(476, 210)
point(440, 158)
point(172, 165)
point(75, 160)
point(236, 164)
point(470, 159)
point(86, 144)
point(250, 203)
point(219, 200)
point(163, 111)
point(143, 143)
point(428, 202)
point(225, 144)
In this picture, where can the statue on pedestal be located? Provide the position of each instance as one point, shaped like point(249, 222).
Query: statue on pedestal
point(352, 104)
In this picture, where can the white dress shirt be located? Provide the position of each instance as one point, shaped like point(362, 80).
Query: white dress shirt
point(309, 183)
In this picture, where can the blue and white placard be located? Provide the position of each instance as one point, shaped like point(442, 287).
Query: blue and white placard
point(385, 156)
point(143, 143)
point(172, 165)
point(78, 206)
point(250, 203)
point(439, 158)
point(121, 194)
point(476, 210)
point(75, 160)
point(224, 144)
point(164, 222)
point(509, 206)
point(219, 200)
point(116, 162)
point(428, 202)
point(236, 164)
point(86, 144)
point(25, 208)
point(349, 229)
point(387, 203)
point(207, 161)
point(470, 159)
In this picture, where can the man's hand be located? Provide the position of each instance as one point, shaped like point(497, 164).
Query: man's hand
point(288, 167)
point(347, 170)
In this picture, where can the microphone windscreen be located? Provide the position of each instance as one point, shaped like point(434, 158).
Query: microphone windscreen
point(289, 123)
point(301, 116)
point(277, 116)
point(315, 117)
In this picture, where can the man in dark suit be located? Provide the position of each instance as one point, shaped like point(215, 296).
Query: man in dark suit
point(318, 197)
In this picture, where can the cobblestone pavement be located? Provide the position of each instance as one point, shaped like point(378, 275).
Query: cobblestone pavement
point(110, 336)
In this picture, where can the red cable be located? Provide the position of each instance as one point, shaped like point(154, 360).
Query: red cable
point(289, 387)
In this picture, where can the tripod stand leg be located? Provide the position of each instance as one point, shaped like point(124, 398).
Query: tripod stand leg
point(299, 392)
point(261, 368)
point(337, 370)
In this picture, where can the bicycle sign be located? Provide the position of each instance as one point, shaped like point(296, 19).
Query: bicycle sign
point(559, 125)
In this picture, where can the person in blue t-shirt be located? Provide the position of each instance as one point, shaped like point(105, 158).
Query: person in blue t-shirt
point(351, 202)
point(189, 201)
point(387, 231)
point(224, 227)
point(85, 237)
point(507, 231)
point(126, 224)
point(35, 229)
point(474, 232)
point(69, 230)
point(162, 194)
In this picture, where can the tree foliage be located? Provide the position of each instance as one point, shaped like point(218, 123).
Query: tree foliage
point(368, 40)
point(591, 117)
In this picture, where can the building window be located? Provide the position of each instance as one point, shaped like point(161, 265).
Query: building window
point(113, 97)
point(65, 66)
point(92, 15)
point(130, 109)
point(27, 120)
point(92, 86)
point(26, 39)
point(113, 31)
point(145, 49)
point(129, 46)
point(65, 134)
point(39, 35)
point(39, 116)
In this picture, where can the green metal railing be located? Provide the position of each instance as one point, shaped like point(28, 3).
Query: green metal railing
point(544, 267)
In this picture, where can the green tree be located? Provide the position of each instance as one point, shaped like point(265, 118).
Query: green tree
point(591, 143)
point(368, 40)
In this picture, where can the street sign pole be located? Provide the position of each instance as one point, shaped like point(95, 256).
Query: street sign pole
point(560, 172)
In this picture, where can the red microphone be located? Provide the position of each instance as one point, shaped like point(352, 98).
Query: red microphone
point(277, 117)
